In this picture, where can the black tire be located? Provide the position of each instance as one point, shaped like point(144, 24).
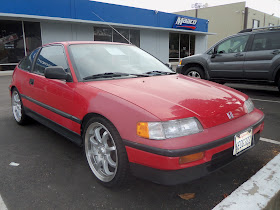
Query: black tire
point(17, 108)
point(279, 84)
point(96, 151)
point(195, 71)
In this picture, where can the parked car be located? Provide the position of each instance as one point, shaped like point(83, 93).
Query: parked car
point(131, 113)
point(252, 55)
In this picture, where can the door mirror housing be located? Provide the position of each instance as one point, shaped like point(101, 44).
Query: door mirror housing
point(57, 72)
point(214, 52)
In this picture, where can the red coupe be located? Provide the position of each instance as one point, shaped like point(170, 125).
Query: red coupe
point(131, 113)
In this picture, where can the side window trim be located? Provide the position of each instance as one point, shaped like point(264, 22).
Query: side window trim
point(65, 57)
point(34, 61)
point(248, 42)
point(245, 48)
point(249, 45)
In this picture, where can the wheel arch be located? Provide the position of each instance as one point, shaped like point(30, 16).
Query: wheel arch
point(196, 64)
point(277, 76)
point(188, 65)
point(87, 117)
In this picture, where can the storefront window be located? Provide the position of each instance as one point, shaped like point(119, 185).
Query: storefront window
point(135, 37)
point(192, 44)
point(184, 45)
point(12, 44)
point(108, 35)
point(118, 38)
point(32, 36)
point(180, 46)
point(173, 47)
point(102, 34)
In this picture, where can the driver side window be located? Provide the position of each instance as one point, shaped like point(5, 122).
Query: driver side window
point(233, 45)
point(52, 55)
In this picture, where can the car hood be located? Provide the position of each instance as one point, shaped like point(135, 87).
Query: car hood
point(173, 97)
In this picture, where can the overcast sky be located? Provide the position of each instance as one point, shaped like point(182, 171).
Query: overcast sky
point(267, 6)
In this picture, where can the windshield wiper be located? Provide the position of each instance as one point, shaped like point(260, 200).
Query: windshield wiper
point(159, 73)
point(113, 74)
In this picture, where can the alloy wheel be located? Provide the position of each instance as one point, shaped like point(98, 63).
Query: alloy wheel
point(101, 152)
point(194, 74)
point(17, 106)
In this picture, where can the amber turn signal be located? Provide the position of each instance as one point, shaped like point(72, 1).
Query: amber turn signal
point(191, 158)
point(143, 129)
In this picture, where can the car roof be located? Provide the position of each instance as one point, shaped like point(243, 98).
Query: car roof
point(67, 43)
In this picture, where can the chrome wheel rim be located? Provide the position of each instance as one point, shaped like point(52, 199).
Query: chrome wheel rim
point(194, 74)
point(101, 152)
point(16, 104)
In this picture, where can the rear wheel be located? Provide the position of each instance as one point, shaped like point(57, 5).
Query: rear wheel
point(105, 152)
point(17, 108)
point(196, 72)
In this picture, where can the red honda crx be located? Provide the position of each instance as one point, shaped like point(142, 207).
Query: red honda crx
point(131, 113)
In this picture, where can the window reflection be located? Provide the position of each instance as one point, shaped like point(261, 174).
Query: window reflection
point(180, 46)
point(32, 36)
point(108, 35)
point(118, 38)
point(12, 44)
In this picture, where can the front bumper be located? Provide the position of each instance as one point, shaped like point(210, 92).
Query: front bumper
point(179, 69)
point(173, 177)
point(162, 165)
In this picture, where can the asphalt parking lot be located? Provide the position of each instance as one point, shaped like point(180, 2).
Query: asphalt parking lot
point(53, 173)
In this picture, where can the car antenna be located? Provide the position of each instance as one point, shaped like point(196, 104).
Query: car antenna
point(112, 27)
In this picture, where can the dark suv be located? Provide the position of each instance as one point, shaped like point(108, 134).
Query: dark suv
point(252, 55)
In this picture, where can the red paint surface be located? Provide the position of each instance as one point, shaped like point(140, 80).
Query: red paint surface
point(127, 101)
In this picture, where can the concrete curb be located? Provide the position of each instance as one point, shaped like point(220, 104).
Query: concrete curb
point(6, 73)
point(259, 192)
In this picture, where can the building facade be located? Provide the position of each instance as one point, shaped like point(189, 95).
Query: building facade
point(229, 19)
point(24, 26)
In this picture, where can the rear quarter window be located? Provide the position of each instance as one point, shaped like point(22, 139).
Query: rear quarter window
point(266, 41)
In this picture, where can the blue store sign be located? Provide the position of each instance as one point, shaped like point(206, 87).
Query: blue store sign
point(185, 23)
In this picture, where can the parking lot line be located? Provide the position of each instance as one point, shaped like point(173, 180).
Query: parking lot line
point(270, 141)
point(256, 193)
point(256, 99)
point(2, 204)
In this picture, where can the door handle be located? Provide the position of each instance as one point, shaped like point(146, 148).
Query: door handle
point(31, 81)
point(238, 55)
point(275, 52)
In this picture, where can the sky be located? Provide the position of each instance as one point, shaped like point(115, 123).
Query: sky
point(267, 6)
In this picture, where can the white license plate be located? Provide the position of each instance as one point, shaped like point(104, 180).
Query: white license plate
point(242, 141)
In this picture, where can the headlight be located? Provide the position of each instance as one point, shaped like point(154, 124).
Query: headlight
point(180, 63)
point(169, 129)
point(249, 106)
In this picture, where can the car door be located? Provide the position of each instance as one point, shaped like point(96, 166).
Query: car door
point(51, 98)
point(259, 59)
point(228, 58)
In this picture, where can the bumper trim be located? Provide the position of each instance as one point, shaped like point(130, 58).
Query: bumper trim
point(185, 151)
point(180, 176)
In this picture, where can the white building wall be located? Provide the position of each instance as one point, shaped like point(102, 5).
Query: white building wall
point(200, 44)
point(55, 32)
point(156, 43)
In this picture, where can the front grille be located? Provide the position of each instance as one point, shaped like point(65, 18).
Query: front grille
point(223, 158)
point(220, 159)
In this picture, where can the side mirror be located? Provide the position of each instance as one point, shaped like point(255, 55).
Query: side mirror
point(57, 72)
point(214, 53)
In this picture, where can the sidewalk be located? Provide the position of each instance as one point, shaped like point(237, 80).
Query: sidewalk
point(6, 73)
point(261, 191)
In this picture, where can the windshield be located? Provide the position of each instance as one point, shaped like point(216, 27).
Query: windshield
point(96, 59)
